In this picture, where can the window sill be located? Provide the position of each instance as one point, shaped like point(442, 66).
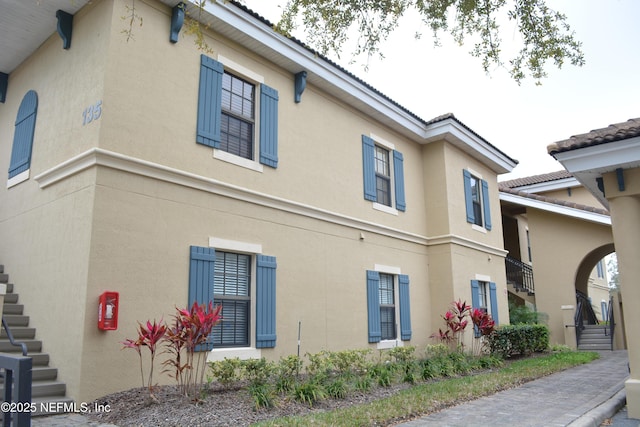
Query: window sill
point(385, 208)
point(15, 180)
point(236, 160)
point(478, 228)
point(242, 353)
point(387, 344)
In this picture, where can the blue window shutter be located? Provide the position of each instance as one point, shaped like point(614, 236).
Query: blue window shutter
point(201, 267)
point(23, 136)
point(405, 307)
point(398, 174)
point(268, 126)
point(468, 198)
point(373, 305)
point(486, 205)
point(266, 302)
point(209, 102)
point(475, 300)
point(369, 168)
point(493, 296)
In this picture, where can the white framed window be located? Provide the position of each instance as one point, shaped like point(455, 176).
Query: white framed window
point(237, 114)
point(476, 193)
point(383, 172)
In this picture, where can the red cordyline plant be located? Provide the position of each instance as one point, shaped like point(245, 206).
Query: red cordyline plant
point(149, 335)
point(191, 328)
point(456, 325)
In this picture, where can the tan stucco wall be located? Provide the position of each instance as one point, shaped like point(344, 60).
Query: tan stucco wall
point(624, 205)
point(578, 195)
point(559, 247)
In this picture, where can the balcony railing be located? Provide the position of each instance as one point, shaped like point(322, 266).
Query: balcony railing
point(520, 275)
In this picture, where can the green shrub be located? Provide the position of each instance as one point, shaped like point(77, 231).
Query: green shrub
point(287, 371)
point(338, 388)
point(309, 392)
point(522, 314)
point(227, 371)
point(262, 395)
point(523, 339)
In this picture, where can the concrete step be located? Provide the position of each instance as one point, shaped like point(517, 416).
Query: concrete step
point(16, 320)
point(19, 332)
point(9, 288)
point(12, 309)
point(39, 359)
point(603, 340)
point(45, 389)
point(593, 347)
point(40, 373)
point(1, 268)
point(32, 346)
point(10, 298)
point(4, 278)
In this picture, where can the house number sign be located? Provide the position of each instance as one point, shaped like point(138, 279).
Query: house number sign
point(91, 113)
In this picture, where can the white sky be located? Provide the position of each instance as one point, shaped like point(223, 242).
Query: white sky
point(519, 120)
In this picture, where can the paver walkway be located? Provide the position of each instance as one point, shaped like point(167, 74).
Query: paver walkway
point(556, 400)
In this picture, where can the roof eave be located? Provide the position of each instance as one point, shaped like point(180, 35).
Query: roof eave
point(452, 131)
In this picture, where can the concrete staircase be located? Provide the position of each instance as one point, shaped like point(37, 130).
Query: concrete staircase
point(45, 384)
point(595, 337)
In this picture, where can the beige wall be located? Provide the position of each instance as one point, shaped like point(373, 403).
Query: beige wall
point(578, 195)
point(560, 246)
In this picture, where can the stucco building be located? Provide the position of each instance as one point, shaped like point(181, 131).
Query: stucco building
point(258, 175)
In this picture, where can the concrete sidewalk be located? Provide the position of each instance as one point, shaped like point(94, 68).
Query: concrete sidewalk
point(578, 397)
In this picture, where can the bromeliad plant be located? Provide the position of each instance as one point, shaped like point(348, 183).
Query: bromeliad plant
point(149, 335)
point(190, 330)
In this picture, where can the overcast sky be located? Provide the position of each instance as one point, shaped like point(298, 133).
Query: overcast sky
point(519, 120)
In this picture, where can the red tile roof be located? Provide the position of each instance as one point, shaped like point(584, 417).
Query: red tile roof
point(535, 179)
point(612, 133)
point(554, 201)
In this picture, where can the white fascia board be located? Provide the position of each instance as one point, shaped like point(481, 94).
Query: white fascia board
point(308, 61)
point(451, 131)
point(603, 157)
point(542, 187)
point(558, 209)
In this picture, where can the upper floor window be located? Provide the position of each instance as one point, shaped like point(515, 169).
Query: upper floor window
point(23, 139)
point(237, 120)
point(476, 191)
point(227, 106)
point(383, 177)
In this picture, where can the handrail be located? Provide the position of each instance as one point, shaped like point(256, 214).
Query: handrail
point(612, 323)
point(520, 274)
point(578, 321)
point(12, 341)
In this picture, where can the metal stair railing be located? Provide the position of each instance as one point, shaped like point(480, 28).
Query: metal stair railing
point(612, 323)
point(17, 374)
point(12, 341)
point(520, 274)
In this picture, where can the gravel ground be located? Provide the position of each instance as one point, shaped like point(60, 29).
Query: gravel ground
point(220, 407)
